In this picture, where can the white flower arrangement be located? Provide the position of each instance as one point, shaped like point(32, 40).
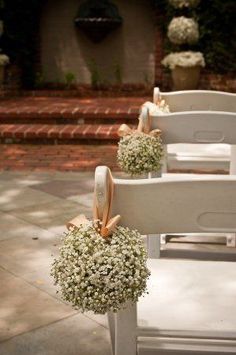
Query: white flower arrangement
point(160, 108)
point(179, 4)
point(184, 59)
point(4, 59)
point(140, 153)
point(101, 275)
point(183, 30)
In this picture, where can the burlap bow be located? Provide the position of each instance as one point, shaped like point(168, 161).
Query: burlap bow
point(101, 211)
point(144, 125)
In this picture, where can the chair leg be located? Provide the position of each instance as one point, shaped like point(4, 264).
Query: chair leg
point(231, 240)
point(154, 246)
point(125, 337)
point(111, 322)
point(233, 160)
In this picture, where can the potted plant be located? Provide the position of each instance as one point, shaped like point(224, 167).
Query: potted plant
point(185, 68)
point(185, 64)
point(4, 60)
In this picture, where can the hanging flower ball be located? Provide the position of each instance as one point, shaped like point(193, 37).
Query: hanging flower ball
point(101, 274)
point(140, 153)
point(180, 4)
point(183, 30)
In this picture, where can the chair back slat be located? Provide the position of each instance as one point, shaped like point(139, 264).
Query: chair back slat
point(196, 127)
point(194, 100)
point(186, 205)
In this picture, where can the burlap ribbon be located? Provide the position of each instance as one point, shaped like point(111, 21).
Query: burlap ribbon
point(101, 211)
point(144, 125)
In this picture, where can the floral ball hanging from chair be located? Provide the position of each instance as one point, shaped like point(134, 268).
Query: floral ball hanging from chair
point(140, 153)
point(101, 274)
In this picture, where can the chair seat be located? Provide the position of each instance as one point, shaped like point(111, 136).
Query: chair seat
point(199, 156)
point(191, 296)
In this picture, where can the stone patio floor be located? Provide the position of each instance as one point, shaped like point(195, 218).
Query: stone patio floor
point(34, 208)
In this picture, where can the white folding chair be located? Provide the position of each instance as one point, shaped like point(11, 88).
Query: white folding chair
point(190, 308)
point(204, 102)
point(202, 127)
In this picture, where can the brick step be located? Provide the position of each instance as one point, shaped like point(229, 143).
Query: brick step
point(61, 157)
point(54, 110)
point(49, 132)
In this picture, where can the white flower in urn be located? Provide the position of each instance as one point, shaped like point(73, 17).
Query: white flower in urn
point(4, 59)
point(184, 59)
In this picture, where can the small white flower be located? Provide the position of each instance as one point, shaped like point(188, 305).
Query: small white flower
point(140, 153)
point(184, 59)
point(106, 285)
point(183, 30)
point(4, 59)
point(179, 4)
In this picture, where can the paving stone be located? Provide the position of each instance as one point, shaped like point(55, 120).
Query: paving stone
point(26, 178)
point(51, 214)
point(64, 189)
point(76, 335)
point(12, 196)
point(13, 227)
point(24, 307)
point(85, 199)
point(23, 254)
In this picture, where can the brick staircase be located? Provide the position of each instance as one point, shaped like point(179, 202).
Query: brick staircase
point(52, 133)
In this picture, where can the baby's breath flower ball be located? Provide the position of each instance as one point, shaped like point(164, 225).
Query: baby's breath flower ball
point(179, 4)
point(183, 30)
point(140, 153)
point(101, 275)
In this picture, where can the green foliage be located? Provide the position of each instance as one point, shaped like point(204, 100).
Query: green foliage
point(218, 33)
point(118, 74)
point(39, 80)
point(69, 79)
point(94, 74)
point(216, 19)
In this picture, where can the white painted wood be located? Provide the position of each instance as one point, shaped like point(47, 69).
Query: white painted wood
point(197, 100)
point(204, 292)
point(196, 201)
point(126, 331)
point(111, 323)
point(154, 246)
point(194, 100)
point(196, 127)
point(233, 160)
point(198, 117)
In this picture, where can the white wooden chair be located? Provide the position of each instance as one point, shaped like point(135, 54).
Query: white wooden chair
point(195, 102)
point(190, 308)
point(203, 127)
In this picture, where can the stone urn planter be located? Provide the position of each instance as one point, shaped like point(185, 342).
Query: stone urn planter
point(185, 78)
point(185, 69)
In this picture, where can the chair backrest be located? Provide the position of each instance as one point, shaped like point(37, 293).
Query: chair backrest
point(194, 100)
point(196, 127)
point(170, 205)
